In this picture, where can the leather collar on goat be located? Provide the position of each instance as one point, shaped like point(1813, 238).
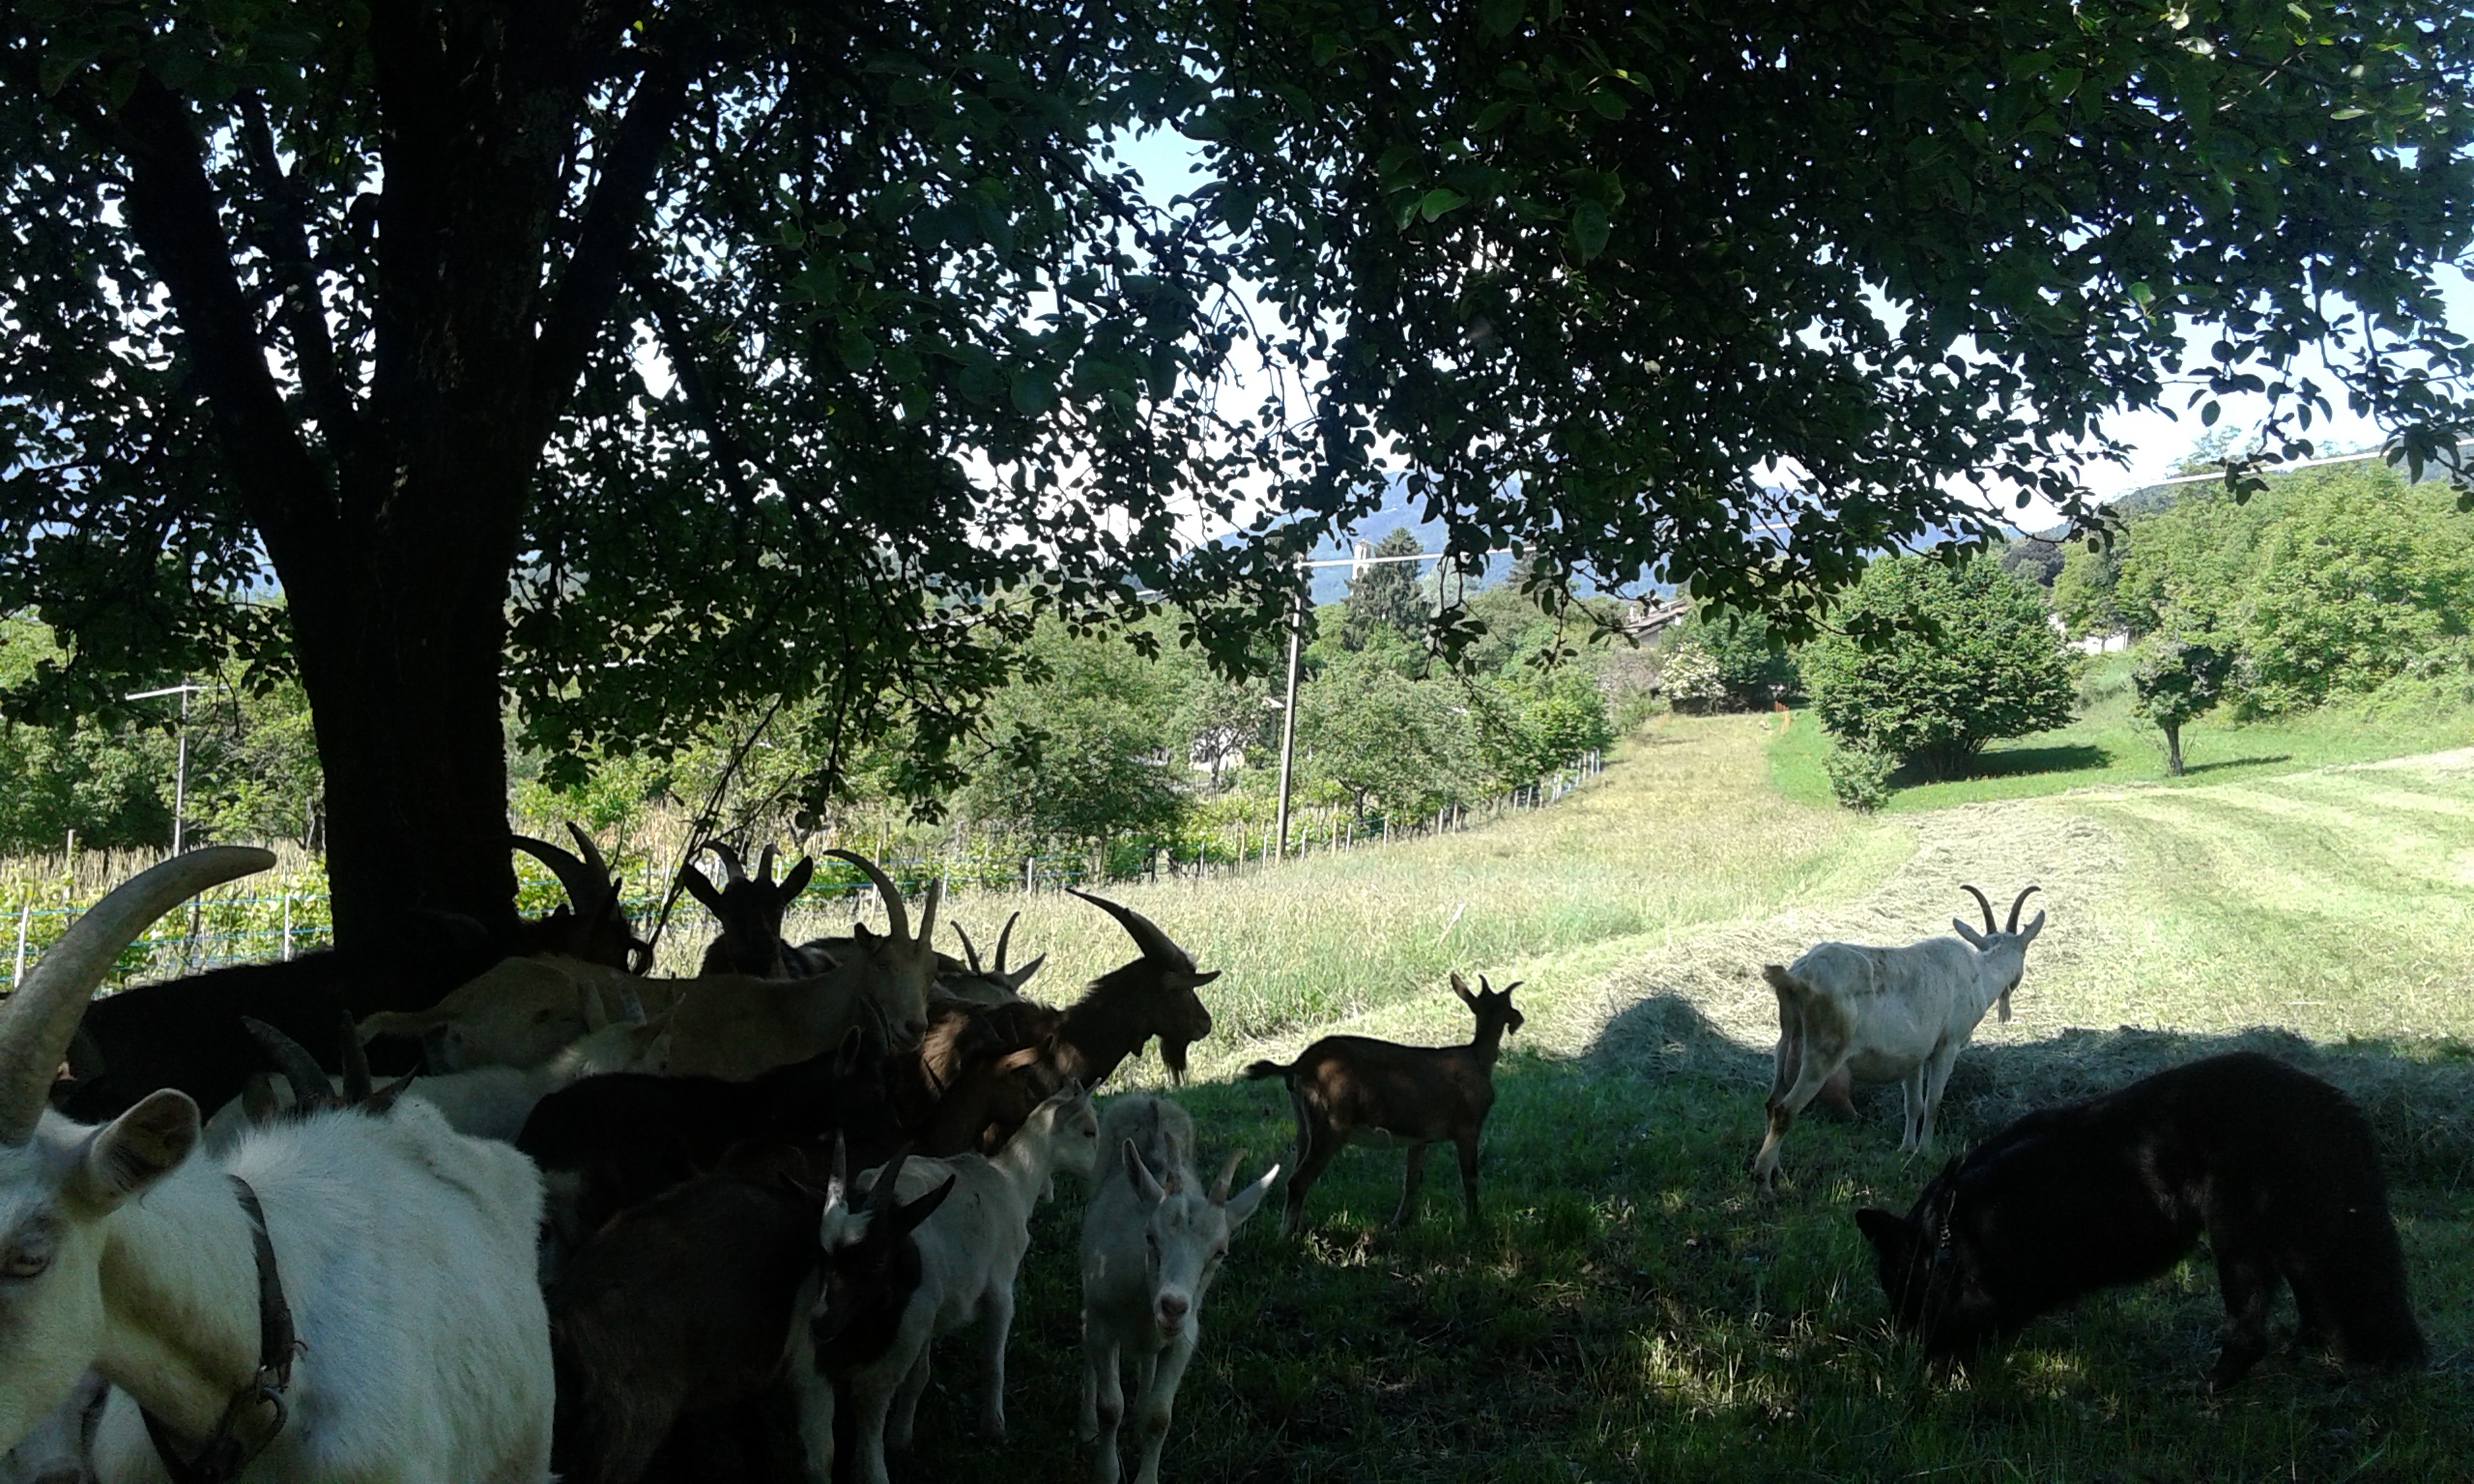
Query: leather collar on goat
point(224, 1454)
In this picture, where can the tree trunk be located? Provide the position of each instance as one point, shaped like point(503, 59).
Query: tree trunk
point(400, 627)
point(2173, 751)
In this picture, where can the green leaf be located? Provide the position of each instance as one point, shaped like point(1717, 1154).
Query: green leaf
point(1435, 203)
point(1608, 104)
point(857, 350)
point(2350, 113)
point(2209, 414)
point(1591, 228)
point(1033, 392)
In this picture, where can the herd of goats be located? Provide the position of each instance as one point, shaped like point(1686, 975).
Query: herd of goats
point(494, 1205)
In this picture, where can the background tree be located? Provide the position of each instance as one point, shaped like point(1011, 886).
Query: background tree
point(2177, 682)
point(1388, 595)
point(1081, 747)
point(1975, 660)
point(367, 295)
point(2084, 593)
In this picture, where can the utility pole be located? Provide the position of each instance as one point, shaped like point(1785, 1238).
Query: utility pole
point(180, 771)
point(1288, 713)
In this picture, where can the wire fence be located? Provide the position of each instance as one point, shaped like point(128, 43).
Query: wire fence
point(250, 922)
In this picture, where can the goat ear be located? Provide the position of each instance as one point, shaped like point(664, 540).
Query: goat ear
point(863, 936)
point(1885, 1229)
point(1018, 978)
point(1139, 1174)
point(699, 887)
point(382, 1101)
point(907, 1218)
point(1242, 1204)
point(139, 1148)
point(1975, 938)
point(855, 1046)
point(1188, 979)
point(796, 881)
point(596, 1015)
point(1460, 987)
point(2027, 934)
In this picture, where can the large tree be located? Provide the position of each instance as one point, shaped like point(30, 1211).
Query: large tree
point(653, 360)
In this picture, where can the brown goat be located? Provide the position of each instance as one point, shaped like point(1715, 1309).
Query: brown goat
point(982, 1068)
point(1342, 1085)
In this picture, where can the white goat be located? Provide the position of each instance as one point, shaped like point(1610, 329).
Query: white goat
point(1888, 1014)
point(1152, 1242)
point(402, 1250)
point(970, 1250)
point(61, 1449)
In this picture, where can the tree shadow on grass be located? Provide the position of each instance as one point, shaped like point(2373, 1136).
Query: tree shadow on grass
point(2013, 763)
point(2419, 1095)
point(2262, 761)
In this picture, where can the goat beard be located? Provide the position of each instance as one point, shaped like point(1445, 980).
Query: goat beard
point(1172, 1055)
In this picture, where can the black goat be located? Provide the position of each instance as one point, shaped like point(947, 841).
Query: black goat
point(616, 1140)
point(749, 909)
point(2279, 1170)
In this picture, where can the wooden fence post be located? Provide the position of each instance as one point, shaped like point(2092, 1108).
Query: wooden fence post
point(26, 912)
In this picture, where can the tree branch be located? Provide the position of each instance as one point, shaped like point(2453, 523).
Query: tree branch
point(172, 213)
point(607, 235)
point(284, 237)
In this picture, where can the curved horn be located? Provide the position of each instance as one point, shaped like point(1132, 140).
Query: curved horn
point(1005, 936)
point(729, 859)
point(1228, 1173)
point(897, 916)
point(764, 868)
point(970, 954)
point(1146, 934)
point(308, 1079)
point(585, 888)
point(2015, 906)
point(592, 861)
point(1982, 902)
point(39, 1020)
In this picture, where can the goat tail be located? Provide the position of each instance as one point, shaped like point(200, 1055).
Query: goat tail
point(1787, 985)
point(1261, 1070)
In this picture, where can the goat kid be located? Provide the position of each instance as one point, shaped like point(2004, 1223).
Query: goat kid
point(1153, 1240)
point(2279, 1170)
point(970, 1251)
point(403, 1250)
point(1344, 1086)
point(523, 1012)
point(1888, 1014)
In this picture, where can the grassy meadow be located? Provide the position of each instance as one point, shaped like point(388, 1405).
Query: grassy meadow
point(1634, 1308)
point(2107, 744)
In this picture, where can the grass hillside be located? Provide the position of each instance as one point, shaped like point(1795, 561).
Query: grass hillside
point(1634, 1308)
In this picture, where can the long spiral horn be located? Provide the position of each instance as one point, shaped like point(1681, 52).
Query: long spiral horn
point(39, 1020)
point(1981, 901)
point(2016, 905)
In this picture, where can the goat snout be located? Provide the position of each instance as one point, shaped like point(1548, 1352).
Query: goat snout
point(1171, 1310)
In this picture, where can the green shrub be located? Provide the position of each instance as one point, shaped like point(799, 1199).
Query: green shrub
point(1860, 777)
point(1929, 659)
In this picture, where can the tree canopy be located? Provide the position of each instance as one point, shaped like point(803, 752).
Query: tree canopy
point(650, 363)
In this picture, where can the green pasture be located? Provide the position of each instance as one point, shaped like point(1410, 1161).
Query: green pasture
point(2108, 745)
point(1634, 1308)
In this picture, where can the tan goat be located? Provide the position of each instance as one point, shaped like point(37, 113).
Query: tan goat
point(1346, 1085)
